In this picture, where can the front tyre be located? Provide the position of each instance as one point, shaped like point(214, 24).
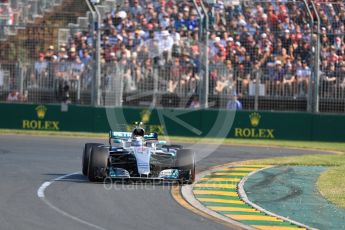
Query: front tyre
point(98, 163)
point(86, 157)
point(185, 162)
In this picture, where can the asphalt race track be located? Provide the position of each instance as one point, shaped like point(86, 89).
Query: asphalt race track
point(27, 162)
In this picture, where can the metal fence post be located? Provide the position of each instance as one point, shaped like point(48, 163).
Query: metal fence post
point(155, 86)
point(205, 81)
point(97, 76)
point(310, 100)
point(201, 30)
point(118, 84)
point(257, 89)
point(96, 72)
point(201, 51)
point(20, 74)
point(317, 61)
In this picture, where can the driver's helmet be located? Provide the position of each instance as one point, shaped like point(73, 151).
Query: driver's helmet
point(138, 132)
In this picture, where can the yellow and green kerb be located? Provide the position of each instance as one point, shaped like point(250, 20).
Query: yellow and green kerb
point(218, 192)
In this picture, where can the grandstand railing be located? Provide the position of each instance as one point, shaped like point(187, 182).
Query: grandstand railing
point(262, 55)
point(331, 90)
point(46, 28)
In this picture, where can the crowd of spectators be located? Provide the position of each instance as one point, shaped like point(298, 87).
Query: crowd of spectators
point(271, 42)
point(6, 12)
point(63, 68)
point(332, 55)
point(154, 37)
point(275, 39)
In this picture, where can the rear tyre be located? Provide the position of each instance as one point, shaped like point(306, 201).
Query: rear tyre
point(98, 163)
point(86, 157)
point(185, 162)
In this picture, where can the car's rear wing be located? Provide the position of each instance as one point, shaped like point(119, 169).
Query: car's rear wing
point(125, 135)
point(119, 135)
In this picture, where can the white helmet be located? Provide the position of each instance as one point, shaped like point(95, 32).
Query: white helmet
point(138, 132)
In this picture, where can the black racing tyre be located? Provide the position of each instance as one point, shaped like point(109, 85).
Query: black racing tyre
point(185, 162)
point(98, 163)
point(86, 157)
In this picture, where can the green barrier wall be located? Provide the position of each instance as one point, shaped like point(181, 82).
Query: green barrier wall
point(197, 123)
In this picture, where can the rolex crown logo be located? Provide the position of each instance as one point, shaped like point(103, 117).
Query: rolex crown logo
point(41, 111)
point(145, 116)
point(254, 119)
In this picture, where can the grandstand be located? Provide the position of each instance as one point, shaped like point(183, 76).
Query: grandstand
point(265, 54)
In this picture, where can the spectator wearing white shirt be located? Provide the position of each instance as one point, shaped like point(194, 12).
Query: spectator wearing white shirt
point(219, 6)
point(77, 69)
point(41, 70)
point(13, 96)
point(164, 21)
point(152, 45)
point(41, 65)
point(166, 42)
point(194, 103)
point(303, 74)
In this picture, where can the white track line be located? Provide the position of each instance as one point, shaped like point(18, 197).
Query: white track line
point(41, 195)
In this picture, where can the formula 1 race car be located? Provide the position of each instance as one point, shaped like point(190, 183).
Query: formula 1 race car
point(136, 155)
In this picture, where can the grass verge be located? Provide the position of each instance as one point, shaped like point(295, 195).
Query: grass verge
point(329, 146)
point(331, 183)
point(52, 133)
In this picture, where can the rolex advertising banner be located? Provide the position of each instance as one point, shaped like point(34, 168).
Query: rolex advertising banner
point(176, 122)
point(270, 125)
point(46, 117)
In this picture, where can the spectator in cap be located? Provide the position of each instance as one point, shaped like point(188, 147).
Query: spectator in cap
point(193, 22)
point(136, 9)
point(225, 80)
point(286, 39)
point(50, 52)
point(329, 80)
point(87, 58)
point(289, 81)
point(164, 21)
point(166, 42)
point(303, 74)
point(77, 69)
point(62, 54)
point(179, 21)
point(277, 79)
point(40, 71)
point(72, 54)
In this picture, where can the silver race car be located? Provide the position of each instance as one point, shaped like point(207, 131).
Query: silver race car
point(136, 155)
